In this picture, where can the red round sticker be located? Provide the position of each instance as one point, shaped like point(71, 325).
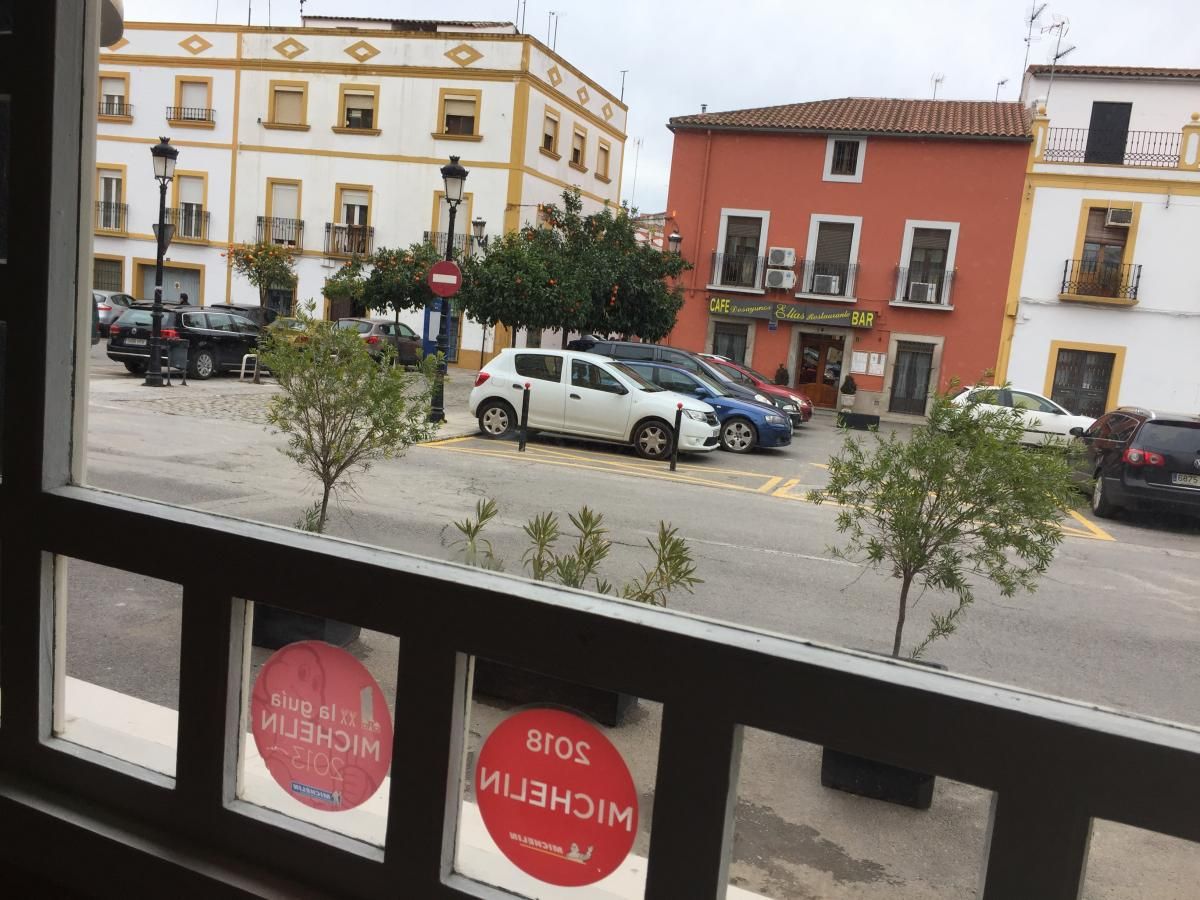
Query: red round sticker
point(556, 797)
point(322, 725)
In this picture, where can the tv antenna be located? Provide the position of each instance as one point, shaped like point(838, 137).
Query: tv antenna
point(1035, 13)
point(1061, 26)
point(637, 155)
point(624, 72)
point(999, 84)
point(936, 80)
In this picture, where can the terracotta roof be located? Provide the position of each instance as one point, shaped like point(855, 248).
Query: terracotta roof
point(875, 115)
point(1117, 71)
point(412, 24)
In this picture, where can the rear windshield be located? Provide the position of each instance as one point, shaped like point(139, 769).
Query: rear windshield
point(353, 325)
point(141, 317)
point(1171, 437)
point(637, 379)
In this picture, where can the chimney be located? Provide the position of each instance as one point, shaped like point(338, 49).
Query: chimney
point(703, 107)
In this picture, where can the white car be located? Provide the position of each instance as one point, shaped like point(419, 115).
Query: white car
point(1044, 419)
point(588, 396)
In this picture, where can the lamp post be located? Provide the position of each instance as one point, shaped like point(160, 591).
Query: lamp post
point(478, 226)
point(164, 170)
point(453, 176)
point(674, 241)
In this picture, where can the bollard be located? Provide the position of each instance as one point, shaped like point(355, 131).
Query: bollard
point(524, 417)
point(675, 442)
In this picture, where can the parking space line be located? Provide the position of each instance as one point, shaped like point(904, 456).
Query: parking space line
point(769, 485)
point(1092, 529)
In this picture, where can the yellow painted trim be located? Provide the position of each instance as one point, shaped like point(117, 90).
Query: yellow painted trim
point(111, 167)
point(190, 123)
point(382, 157)
point(291, 87)
point(602, 171)
point(550, 179)
point(1104, 301)
point(148, 142)
point(549, 112)
point(122, 76)
point(189, 173)
point(455, 137)
point(141, 262)
point(516, 156)
point(1118, 369)
point(545, 152)
point(275, 126)
point(369, 132)
point(233, 161)
point(339, 188)
point(1091, 203)
point(357, 88)
point(1016, 273)
point(551, 92)
point(1123, 184)
point(271, 182)
point(111, 257)
point(444, 94)
point(181, 80)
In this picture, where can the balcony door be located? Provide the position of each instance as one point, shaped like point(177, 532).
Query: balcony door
point(110, 199)
point(743, 247)
point(1107, 133)
point(285, 212)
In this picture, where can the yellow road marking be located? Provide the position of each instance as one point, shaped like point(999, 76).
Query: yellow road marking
point(787, 486)
point(451, 440)
point(820, 465)
point(1093, 530)
point(769, 485)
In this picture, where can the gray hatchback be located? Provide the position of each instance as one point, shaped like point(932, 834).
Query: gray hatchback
point(110, 305)
point(380, 333)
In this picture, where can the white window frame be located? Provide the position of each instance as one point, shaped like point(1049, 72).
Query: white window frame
point(764, 216)
point(910, 227)
point(857, 177)
point(814, 228)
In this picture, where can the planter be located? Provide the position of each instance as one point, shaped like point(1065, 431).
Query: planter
point(275, 628)
point(858, 421)
point(521, 686)
point(879, 781)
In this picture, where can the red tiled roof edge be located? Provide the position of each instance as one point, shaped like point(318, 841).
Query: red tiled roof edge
point(1117, 71)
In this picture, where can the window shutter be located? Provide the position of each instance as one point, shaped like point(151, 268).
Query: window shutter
point(460, 107)
point(283, 201)
point(743, 227)
point(289, 107)
point(355, 198)
point(360, 101)
point(833, 242)
point(1099, 233)
point(931, 239)
point(194, 95)
point(112, 87)
point(191, 190)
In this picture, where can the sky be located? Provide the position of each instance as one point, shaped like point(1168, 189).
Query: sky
point(747, 53)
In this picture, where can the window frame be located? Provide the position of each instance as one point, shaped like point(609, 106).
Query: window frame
point(175, 191)
point(549, 113)
point(113, 117)
point(180, 81)
point(108, 257)
point(827, 173)
point(276, 85)
point(578, 131)
point(344, 90)
point(604, 147)
point(340, 189)
point(910, 228)
point(448, 93)
point(124, 170)
point(764, 215)
point(810, 252)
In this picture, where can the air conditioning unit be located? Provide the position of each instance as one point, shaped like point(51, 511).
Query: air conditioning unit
point(826, 284)
point(783, 257)
point(1119, 218)
point(782, 279)
point(923, 292)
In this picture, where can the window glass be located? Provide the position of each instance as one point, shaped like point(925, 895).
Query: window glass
point(220, 322)
point(591, 376)
point(637, 351)
point(106, 275)
point(540, 366)
point(194, 320)
point(675, 381)
point(1021, 400)
point(989, 396)
point(845, 158)
point(243, 325)
point(360, 111)
point(460, 115)
point(578, 148)
point(1171, 437)
point(550, 134)
point(405, 331)
point(354, 325)
point(640, 376)
point(1121, 428)
point(135, 317)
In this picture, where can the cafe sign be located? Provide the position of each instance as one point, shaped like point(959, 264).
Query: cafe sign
point(792, 313)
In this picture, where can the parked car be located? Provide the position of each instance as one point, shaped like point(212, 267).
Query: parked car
point(217, 341)
point(749, 378)
point(1044, 419)
point(673, 356)
point(588, 396)
point(744, 423)
point(261, 316)
point(293, 330)
point(380, 333)
point(110, 304)
point(1143, 459)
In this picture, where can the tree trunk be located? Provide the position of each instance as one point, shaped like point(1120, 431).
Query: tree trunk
point(904, 586)
point(566, 334)
point(324, 508)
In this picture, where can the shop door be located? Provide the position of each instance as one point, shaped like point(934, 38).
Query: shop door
point(730, 341)
point(820, 367)
point(1081, 381)
point(910, 380)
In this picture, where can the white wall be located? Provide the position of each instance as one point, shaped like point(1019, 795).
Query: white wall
point(1158, 105)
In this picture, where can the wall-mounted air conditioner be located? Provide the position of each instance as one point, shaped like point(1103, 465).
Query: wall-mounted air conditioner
point(781, 279)
point(923, 292)
point(1119, 218)
point(826, 284)
point(783, 257)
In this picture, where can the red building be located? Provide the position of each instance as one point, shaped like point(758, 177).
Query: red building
point(860, 236)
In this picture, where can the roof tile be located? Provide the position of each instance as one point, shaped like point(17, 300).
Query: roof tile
point(1117, 71)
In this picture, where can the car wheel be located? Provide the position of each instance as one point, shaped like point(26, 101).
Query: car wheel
point(653, 440)
point(738, 435)
point(202, 364)
point(1100, 502)
point(136, 368)
point(497, 419)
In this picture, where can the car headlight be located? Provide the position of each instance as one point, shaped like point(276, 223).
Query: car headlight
point(790, 408)
point(762, 399)
point(696, 414)
point(773, 419)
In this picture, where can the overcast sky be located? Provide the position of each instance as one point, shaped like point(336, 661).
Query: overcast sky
point(745, 53)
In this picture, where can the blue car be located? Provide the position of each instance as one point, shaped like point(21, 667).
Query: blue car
point(744, 423)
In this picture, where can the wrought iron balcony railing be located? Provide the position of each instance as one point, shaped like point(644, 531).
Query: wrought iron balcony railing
point(1091, 278)
point(1134, 148)
point(348, 240)
point(111, 216)
point(284, 232)
point(190, 224)
point(832, 278)
point(924, 285)
point(463, 243)
point(190, 114)
point(737, 270)
point(115, 108)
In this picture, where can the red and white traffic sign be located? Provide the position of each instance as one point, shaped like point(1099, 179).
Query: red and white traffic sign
point(445, 278)
point(556, 797)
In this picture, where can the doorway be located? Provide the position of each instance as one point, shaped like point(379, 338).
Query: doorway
point(910, 379)
point(819, 367)
point(1082, 381)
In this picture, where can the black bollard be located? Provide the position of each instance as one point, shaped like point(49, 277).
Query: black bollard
point(524, 417)
point(675, 442)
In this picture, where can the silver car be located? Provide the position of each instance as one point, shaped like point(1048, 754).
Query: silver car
point(110, 305)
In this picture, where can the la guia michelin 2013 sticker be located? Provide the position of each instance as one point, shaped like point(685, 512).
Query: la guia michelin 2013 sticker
point(322, 725)
point(557, 797)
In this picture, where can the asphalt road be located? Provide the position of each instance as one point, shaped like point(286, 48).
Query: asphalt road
point(1116, 620)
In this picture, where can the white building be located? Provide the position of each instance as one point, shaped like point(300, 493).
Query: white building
point(1104, 300)
point(329, 138)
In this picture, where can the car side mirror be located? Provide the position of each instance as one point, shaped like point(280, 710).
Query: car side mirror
point(1077, 431)
point(700, 393)
point(619, 389)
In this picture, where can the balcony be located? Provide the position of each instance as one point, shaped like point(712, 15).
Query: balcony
point(832, 279)
point(1088, 279)
point(191, 115)
point(348, 240)
point(1150, 149)
point(924, 287)
point(111, 217)
point(737, 270)
point(115, 109)
point(191, 224)
point(463, 243)
point(283, 232)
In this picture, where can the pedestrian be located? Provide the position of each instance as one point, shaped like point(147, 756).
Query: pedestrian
point(183, 298)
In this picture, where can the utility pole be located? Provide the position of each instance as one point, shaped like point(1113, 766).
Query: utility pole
point(623, 73)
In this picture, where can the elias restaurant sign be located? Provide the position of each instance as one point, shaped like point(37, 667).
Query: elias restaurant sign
point(795, 313)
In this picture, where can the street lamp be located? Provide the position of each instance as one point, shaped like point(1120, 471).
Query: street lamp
point(454, 177)
point(675, 240)
point(479, 226)
point(164, 170)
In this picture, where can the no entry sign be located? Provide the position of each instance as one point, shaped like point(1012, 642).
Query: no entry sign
point(445, 278)
point(322, 725)
point(556, 797)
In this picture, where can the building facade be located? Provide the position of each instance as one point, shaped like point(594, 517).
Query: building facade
point(858, 236)
point(328, 138)
point(1104, 302)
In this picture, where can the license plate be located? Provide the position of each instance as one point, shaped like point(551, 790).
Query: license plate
point(136, 342)
point(1180, 478)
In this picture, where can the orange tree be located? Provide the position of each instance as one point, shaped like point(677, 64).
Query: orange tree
point(387, 280)
point(265, 265)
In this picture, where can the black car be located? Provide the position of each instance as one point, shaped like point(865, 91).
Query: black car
point(635, 351)
point(259, 315)
point(1143, 459)
point(217, 341)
